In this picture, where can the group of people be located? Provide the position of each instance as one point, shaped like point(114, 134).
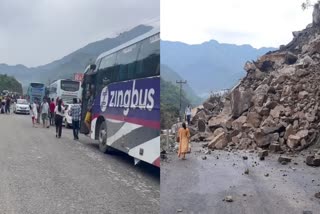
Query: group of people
point(52, 113)
point(5, 104)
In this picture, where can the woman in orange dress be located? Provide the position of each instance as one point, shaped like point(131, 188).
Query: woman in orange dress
point(184, 135)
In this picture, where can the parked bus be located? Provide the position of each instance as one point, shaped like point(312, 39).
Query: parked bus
point(65, 89)
point(125, 85)
point(36, 91)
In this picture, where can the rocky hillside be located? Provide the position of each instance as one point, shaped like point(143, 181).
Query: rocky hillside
point(276, 106)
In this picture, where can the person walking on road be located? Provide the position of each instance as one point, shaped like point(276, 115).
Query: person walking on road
point(59, 114)
point(75, 114)
point(37, 102)
point(184, 138)
point(8, 102)
point(52, 107)
point(45, 113)
point(188, 114)
point(33, 114)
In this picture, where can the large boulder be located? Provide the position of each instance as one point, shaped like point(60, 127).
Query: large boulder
point(254, 119)
point(223, 118)
point(294, 141)
point(240, 101)
point(289, 131)
point(244, 143)
point(219, 142)
point(260, 95)
point(275, 113)
point(263, 140)
point(238, 123)
point(201, 125)
point(208, 105)
point(249, 66)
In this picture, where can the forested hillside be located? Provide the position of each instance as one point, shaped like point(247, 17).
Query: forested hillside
point(9, 83)
point(169, 99)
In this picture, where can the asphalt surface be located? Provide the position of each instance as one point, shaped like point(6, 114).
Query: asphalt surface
point(199, 186)
point(42, 174)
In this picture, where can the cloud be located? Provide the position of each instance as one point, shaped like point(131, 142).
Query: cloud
point(36, 32)
point(256, 22)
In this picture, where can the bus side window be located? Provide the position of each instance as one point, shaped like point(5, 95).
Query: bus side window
point(126, 60)
point(149, 57)
point(106, 71)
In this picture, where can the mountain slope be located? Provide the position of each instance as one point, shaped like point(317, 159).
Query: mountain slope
point(9, 83)
point(209, 66)
point(73, 63)
point(169, 75)
point(169, 103)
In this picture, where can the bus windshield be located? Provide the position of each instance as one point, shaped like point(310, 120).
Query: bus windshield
point(37, 85)
point(69, 85)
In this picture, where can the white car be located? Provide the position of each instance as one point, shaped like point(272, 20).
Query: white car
point(21, 106)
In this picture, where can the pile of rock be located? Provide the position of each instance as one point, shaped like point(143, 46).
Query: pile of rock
point(201, 114)
point(275, 106)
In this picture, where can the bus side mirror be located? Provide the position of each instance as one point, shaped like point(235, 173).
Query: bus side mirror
point(93, 67)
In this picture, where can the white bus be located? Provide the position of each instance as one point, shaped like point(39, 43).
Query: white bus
point(65, 89)
point(125, 87)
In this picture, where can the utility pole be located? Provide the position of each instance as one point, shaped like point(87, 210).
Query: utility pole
point(180, 82)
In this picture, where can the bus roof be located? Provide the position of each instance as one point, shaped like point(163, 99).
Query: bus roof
point(131, 42)
point(63, 79)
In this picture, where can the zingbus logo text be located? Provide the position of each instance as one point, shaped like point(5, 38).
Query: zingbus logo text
point(128, 99)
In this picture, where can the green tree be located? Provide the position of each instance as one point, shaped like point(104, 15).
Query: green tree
point(9, 83)
point(169, 103)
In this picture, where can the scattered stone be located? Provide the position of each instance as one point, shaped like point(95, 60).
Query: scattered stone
point(275, 147)
point(208, 152)
point(284, 160)
point(266, 175)
point(246, 171)
point(307, 212)
point(311, 160)
point(263, 153)
point(317, 195)
point(228, 198)
point(262, 158)
point(204, 158)
point(179, 210)
point(244, 157)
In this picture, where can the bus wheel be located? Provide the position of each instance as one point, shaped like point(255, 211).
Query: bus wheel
point(103, 138)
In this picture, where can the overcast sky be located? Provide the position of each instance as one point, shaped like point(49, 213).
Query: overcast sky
point(261, 23)
point(36, 32)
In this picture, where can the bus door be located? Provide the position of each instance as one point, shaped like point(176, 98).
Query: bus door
point(87, 85)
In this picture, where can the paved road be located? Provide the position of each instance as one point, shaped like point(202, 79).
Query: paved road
point(199, 186)
point(42, 174)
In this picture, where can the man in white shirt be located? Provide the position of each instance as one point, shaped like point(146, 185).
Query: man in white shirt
point(188, 114)
point(45, 113)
